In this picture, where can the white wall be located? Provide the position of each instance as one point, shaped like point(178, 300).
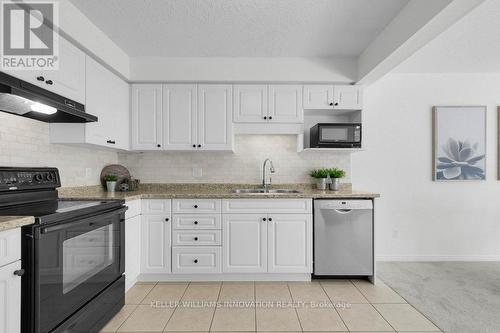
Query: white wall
point(146, 69)
point(242, 166)
point(418, 219)
point(25, 142)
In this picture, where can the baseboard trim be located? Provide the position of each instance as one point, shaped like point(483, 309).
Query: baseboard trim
point(440, 258)
point(223, 277)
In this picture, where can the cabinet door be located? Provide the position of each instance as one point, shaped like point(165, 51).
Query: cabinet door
point(69, 79)
point(155, 244)
point(290, 243)
point(318, 96)
point(348, 98)
point(10, 298)
point(250, 103)
point(179, 117)
point(146, 117)
point(285, 104)
point(245, 243)
point(215, 117)
point(132, 250)
point(108, 99)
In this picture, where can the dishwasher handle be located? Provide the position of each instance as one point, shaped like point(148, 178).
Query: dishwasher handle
point(343, 211)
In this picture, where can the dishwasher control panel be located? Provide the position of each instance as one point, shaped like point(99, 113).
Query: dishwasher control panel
point(343, 204)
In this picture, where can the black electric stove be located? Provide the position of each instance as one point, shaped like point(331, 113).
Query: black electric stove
point(72, 256)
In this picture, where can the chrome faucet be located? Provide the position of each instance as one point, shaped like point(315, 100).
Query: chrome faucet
point(265, 184)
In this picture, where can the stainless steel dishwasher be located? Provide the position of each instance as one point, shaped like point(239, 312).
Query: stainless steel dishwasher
point(343, 238)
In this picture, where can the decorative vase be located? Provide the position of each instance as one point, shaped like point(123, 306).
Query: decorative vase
point(335, 184)
point(111, 186)
point(322, 184)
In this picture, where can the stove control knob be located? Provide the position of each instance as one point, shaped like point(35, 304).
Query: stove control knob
point(38, 177)
point(49, 177)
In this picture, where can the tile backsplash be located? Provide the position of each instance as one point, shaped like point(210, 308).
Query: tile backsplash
point(25, 142)
point(242, 166)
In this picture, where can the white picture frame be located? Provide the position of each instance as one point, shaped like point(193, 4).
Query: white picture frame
point(459, 143)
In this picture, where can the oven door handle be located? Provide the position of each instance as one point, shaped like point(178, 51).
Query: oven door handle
point(89, 220)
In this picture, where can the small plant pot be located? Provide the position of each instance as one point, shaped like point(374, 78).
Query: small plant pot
point(111, 186)
point(335, 184)
point(322, 184)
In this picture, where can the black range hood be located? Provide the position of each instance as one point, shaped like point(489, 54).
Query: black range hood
point(27, 100)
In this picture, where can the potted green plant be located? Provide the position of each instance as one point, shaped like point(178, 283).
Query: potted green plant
point(335, 175)
point(321, 176)
point(111, 182)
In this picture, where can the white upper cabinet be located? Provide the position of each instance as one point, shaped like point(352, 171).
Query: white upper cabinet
point(180, 118)
point(250, 103)
point(146, 116)
point(215, 117)
point(108, 99)
point(69, 79)
point(285, 104)
point(318, 96)
point(254, 103)
point(348, 97)
point(332, 97)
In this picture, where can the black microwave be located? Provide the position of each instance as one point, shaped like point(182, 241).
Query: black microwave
point(335, 135)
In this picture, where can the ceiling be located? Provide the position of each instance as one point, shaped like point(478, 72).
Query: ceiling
point(472, 45)
point(241, 28)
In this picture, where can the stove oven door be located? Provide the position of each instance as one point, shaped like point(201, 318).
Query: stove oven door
point(74, 262)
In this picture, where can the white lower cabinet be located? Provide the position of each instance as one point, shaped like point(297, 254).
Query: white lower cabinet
point(132, 250)
point(156, 244)
point(196, 259)
point(10, 298)
point(245, 243)
point(289, 243)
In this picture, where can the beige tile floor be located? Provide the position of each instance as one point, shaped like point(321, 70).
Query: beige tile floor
point(317, 306)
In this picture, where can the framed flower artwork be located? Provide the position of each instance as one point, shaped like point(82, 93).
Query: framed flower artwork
point(459, 143)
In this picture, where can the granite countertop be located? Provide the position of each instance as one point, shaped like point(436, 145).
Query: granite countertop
point(11, 222)
point(224, 191)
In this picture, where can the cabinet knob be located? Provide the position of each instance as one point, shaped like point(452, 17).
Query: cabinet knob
point(40, 78)
point(270, 117)
point(158, 145)
point(195, 206)
point(195, 261)
point(19, 272)
point(111, 142)
point(270, 219)
point(49, 82)
point(331, 104)
point(167, 219)
point(195, 222)
point(336, 103)
point(194, 146)
point(264, 219)
point(196, 238)
point(265, 117)
point(199, 146)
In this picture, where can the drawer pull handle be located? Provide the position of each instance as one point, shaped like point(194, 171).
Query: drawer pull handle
point(195, 206)
point(196, 261)
point(167, 219)
point(196, 238)
point(195, 222)
point(19, 272)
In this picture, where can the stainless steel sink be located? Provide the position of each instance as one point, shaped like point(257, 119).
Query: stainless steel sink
point(265, 191)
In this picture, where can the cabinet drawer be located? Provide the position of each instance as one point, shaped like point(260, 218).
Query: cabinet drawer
point(10, 246)
point(134, 208)
point(156, 206)
point(194, 222)
point(196, 237)
point(191, 206)
point(254, 206)
point(196, 260)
